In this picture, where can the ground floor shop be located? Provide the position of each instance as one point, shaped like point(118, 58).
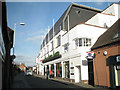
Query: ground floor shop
point(106, 67)
point(71, 69)
point(114, 65)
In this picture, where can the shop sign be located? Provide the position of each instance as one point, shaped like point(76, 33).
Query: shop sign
point(118, 58)
point(90, 55)
point(84, 62)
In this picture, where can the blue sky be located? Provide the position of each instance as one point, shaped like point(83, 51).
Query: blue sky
point(37, 16)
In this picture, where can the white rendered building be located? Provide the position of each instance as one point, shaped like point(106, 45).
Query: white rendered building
point(66, 44)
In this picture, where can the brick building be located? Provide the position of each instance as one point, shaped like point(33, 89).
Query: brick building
point(106, 63)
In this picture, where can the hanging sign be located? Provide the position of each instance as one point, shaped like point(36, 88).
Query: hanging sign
point(90, 55)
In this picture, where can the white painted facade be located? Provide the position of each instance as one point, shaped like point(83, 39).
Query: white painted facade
point(91, 29)
point(109, 16)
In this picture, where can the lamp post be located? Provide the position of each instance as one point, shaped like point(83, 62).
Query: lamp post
point(14, 35)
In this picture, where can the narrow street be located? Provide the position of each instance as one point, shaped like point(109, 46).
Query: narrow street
point(34, 81)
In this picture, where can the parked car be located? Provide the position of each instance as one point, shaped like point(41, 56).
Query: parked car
point(28, 72)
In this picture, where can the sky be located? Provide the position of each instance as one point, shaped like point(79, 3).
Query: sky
point(37, 16)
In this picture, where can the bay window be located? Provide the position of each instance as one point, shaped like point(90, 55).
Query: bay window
point(82, 42)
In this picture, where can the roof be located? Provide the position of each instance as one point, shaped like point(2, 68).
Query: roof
point(111, 36)
point(63, 17)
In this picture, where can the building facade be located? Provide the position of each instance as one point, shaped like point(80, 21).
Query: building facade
point(6, 43)
point(106, 63)
point(64, 47)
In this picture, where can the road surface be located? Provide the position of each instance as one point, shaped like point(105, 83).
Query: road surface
point(22, 81)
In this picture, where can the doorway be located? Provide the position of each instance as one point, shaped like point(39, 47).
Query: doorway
point(90, 72)
point(78, 74)
point(67, 71)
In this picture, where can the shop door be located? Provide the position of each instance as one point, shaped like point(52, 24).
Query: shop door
point(67, 73)
point(90, 72)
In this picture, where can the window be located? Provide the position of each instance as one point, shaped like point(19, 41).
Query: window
point(44, 50)
point(66, 47)
point(88, 42)
point(80, 41)
point(52, 45)
point(59, 40)
point(117, 35)
point(47, 48)
point(83, 42)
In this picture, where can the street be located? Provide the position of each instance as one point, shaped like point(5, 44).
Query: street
point(22, 81)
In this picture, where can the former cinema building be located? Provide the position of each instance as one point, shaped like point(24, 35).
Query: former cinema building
point(64, 47)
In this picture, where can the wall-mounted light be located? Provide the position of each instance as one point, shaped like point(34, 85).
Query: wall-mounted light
point(105, 53)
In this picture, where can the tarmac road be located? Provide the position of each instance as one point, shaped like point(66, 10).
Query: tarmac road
point(22, 81)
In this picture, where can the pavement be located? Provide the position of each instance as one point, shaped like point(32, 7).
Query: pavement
point(60, 80)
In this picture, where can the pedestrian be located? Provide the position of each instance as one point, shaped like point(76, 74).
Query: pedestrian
point(50, 73)
point(58, 73)
point(53, 73)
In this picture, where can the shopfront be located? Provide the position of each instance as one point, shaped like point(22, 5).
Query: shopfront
point(114, 64)
point(58, 69)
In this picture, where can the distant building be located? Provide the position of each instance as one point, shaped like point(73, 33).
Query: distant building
point(22, 67)
point(34, 69)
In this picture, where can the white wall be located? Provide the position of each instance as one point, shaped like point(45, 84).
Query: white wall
point(76, 55)
point(99, 20)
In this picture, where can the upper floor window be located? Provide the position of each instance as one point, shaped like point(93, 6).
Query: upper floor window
point(52, 45)
point(44, 50)
point(117, 35)
point(59, 40)
point(66, 47)
point(83, 42)
point(47, 48)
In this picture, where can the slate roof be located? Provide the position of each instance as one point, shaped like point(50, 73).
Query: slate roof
point(111, 36)
point(64, 15)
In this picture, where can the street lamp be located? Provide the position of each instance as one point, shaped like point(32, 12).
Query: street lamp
point(14, 35)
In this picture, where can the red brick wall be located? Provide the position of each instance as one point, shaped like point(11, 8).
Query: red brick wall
point(101, 70)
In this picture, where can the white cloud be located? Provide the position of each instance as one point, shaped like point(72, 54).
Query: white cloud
point(27, 60)
point(37, 37)
point(34, 38)
point(39, 32)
